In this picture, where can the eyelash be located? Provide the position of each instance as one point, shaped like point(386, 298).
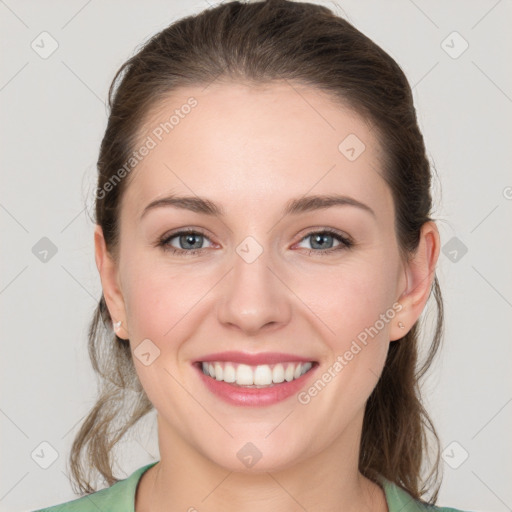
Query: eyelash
point(345, 243)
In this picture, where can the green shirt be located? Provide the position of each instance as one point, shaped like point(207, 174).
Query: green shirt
point(120, 497)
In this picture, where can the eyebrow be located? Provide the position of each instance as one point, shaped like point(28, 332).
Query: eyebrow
point(293, 207)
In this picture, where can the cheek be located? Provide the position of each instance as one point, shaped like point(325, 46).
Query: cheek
point(158, 299)
point(358, 311)
point(352, 297)
point(163, 307)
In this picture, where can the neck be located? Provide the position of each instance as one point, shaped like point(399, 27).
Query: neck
point(185, 480)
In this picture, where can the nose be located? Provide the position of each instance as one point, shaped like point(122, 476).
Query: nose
point(254, 297)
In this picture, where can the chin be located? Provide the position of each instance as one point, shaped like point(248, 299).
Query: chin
point(258, 455)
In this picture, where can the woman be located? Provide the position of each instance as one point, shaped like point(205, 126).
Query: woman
point(266, 249)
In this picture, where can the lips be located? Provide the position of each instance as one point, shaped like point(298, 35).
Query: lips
point(241, 378)
point(261, 375)
point(254, 359)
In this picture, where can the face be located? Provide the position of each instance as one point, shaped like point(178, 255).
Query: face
point(263, 272)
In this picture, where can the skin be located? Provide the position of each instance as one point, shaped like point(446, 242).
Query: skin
point(251, 149)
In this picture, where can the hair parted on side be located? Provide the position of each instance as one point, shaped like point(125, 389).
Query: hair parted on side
point(261, 42)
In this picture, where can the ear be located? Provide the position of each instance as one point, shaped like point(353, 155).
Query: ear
point(108, 271)
point(419, 276)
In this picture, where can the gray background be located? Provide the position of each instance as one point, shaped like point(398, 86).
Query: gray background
point(53, 117)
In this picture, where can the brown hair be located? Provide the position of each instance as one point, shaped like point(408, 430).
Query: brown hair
point(260, 42)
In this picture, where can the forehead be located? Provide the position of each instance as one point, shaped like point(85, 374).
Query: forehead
point(242, 144)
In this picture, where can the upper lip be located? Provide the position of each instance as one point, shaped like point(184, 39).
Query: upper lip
point(253, 359)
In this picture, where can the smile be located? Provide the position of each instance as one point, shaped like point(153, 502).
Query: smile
point(263, 375)
point(273, 379)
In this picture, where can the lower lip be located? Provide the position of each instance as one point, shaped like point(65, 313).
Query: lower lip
point(244, 396)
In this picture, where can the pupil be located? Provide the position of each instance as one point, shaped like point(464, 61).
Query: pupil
point(190, 239)
point(320, 239)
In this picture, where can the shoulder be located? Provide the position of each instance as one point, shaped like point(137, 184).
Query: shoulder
point(399, 500)
point(119, 497)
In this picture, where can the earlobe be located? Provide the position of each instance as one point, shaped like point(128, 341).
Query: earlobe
point(108, 271)
point(419, 276)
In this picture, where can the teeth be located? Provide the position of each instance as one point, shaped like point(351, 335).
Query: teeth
point(229, 373)
point(218, 371)
point(278, 373)
point(289, 372)
point(244, 375)
point(306, 367)
point(261, 375)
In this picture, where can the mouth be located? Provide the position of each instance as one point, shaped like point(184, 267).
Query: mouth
point(254, 380)
point(254, 376)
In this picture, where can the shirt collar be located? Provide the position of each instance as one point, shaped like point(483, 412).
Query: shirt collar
point(398, 499)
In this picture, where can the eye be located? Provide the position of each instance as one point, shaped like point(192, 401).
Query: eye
point(322, 242)
point(189, 242)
